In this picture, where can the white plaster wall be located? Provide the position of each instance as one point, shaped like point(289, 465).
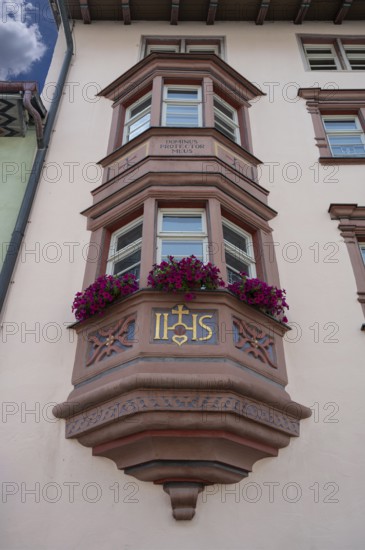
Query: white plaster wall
point(321, 508)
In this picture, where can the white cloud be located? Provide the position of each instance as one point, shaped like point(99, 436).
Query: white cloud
point(20, 40)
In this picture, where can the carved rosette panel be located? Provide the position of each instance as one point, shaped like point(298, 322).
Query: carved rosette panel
point(110, 340)
point(254, 341)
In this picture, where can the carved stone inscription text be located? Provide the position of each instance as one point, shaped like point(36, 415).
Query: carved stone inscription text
point(182, 146)
point(181, 325)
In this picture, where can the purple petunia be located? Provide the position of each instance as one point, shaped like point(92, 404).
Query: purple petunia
point(105, 290)
point(270, 299)
point(186, 274)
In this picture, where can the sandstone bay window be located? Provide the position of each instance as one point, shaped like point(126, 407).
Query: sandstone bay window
point(172, 188)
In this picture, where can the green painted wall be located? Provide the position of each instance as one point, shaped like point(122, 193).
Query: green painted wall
point(16, 160)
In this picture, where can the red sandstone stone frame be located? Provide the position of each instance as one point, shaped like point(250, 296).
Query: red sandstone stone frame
point(333, 102)
point(352, 227)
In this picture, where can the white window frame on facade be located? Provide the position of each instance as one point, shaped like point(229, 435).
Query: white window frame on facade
point(202, 48)
point(130, 120)
point(182, 44)
point(358, 132)
point(232, 123)
point(345, 51)
point(247, 257)
point(115, 255)
point(352, 54)
point(167, 101)
point(322, 57)
point(169, 48)
point(175, 236)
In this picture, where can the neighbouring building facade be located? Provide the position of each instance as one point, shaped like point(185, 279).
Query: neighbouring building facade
point(234, 132)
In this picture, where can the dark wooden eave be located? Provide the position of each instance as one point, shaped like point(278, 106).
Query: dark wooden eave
point(210, 11)
point(175, 4)
point(264, 7)
point(85, 12)
point(302, 11)
point(343, 11)
point(126, 12)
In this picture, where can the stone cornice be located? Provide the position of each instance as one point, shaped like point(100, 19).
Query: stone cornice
point(327, 95)
point(180, 65)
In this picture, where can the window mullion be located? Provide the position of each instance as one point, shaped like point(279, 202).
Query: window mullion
point(156, 101)
point(207, 103)
point(342, 55)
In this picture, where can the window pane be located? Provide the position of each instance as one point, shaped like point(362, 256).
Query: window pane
point(234, 261)
point(362, 250)
point(323, 67)
point(224, 128)
point(182, 223)
point(192, 49)
point(225, 110)
point(128, 264)
point(139, 126)
point(319, 51)
point(340, 125)
point(184, 95)
point(161, 49)
point(234, 238)
point(182, 115)
point(182, 249)
point(353, 50)
point(233, 277)
point(344, 151)
point(129, 237)
point(357, 64)
point(139, 108)
point(322, 61)
point(345, 140)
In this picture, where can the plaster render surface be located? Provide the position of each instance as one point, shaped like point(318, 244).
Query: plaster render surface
point(309, 497)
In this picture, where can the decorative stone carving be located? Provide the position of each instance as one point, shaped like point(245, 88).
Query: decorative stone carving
point(254, 341)
point(111, 339)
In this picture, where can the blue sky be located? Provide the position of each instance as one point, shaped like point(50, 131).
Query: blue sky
point(28, 35)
